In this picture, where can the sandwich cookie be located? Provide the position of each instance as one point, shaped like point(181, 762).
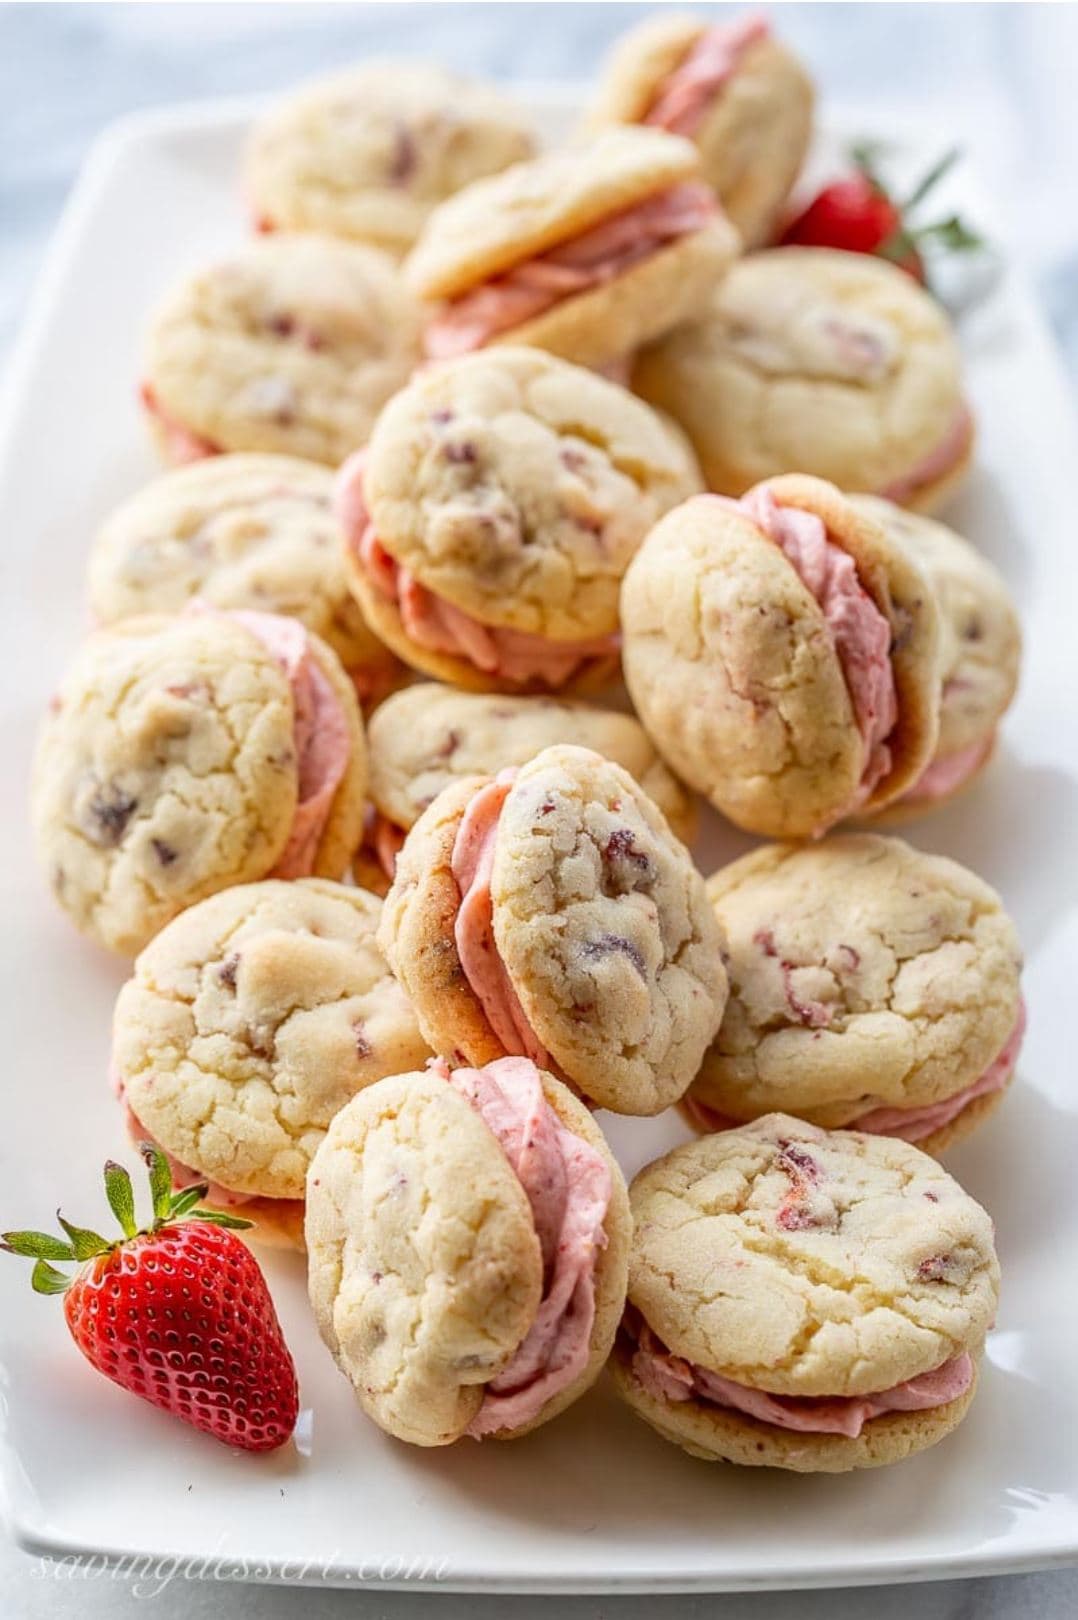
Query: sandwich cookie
point(550, 913)
point(468, 1235)
point(734, 90)
point(804, 1299)
point(586, 252)
point(871, 986)
point(783, 653)
point(981, 645)
point(240, 531)
point(182, 755)
point(490, 520)
point(368, 153)
point(246, 1025)
point(291, 345)
point(424, 739)
point(816, 361)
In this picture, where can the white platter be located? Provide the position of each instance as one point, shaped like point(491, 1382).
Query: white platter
point(594, 1502)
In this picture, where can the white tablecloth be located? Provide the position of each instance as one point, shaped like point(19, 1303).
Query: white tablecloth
point(1003, 78)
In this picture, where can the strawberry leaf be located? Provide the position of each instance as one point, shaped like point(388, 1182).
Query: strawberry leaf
point(45, 1279)
point(84, 1243)
point(37, 1246)
point(121, 1197)
point(160, 1180)
point(181, 1203)
point(952, 234)
point(865, 156)
point(932, 179)
point(217, 1217)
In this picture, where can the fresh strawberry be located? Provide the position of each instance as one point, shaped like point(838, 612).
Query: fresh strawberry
point(177, 1312)
point(858, 215)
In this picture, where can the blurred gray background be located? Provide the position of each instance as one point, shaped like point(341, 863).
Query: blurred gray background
point(1002, 79)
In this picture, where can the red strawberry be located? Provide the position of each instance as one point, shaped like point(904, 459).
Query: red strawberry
point(858, 215)
point(850, 214)
point(177, 1312)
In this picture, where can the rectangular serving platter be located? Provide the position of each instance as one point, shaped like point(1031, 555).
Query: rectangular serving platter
point(594, 1502)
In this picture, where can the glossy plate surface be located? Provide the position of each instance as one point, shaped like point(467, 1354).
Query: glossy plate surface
point(595, 1502)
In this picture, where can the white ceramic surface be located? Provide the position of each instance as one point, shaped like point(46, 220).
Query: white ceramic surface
point(595, 1502)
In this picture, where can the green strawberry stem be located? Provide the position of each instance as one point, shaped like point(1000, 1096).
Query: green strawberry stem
point(169, 1207)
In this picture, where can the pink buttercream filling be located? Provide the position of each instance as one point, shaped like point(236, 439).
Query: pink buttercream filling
point(671, 1378)
point(182, 444)
point(911, 1124)
point(938, 463)
point(322, 741)
point(592, 259)
point(861, 633)
point(437, 624)
point(684, 96)
point(568, 1187)
point(948, 772)
point(383, 839)
point(472, 863)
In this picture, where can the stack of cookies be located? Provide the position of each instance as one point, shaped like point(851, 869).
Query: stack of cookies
point(526, 510)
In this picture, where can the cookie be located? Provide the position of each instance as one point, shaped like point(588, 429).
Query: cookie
point(871, 986)
point(783, 653)
point(734, 90)
point(815, 361)
point(468, 1233)
point(586, 252)
point(981, 645)
point(549, 912)
point(182, 755)
point(428, 737)
point(491, 518)
point(368, 153)
point(290, 345)
point(246, 1025)
point(804, 1299)
point(239, 531)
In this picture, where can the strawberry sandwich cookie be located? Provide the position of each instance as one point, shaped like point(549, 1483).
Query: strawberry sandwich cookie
point(871, 986)
point(734, 90)
point(783, 653)
point(182, 755)
point(489, 522)
point(816, 361)
point(550, 913)
point(468, 1236)
point(587, 252)
point(246, 1025)
point(803, 1299)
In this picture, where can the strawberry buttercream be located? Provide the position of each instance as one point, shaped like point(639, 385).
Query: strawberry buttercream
point(472, 863)
point(568, 1186)
point(861, 633)
point(948, 772)
point(683, 97)
point(592, 259)
point(671, 1378)
point(322, 740)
